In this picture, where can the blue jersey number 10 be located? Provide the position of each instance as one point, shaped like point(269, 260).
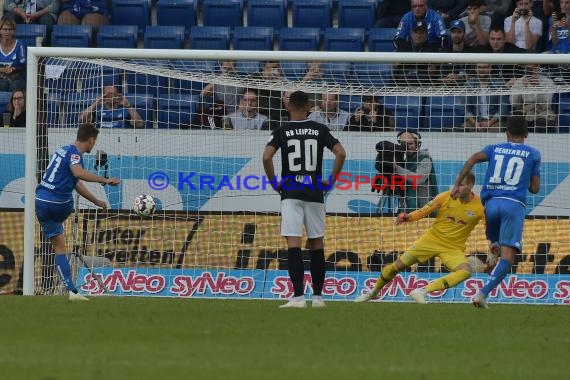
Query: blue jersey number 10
point(512, 173)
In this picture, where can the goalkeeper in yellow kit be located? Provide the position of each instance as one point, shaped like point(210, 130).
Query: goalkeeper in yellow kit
point(445, 238)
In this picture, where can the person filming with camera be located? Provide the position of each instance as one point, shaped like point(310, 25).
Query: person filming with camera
point(522, 28)
point(417, 169)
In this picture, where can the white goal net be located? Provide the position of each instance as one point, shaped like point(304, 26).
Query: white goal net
point(189, 127)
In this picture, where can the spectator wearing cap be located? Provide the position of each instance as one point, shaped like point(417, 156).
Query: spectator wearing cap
point(436, 30)
point(454, 74)
point(477, 25)
point(416, 74)
point(371, 116)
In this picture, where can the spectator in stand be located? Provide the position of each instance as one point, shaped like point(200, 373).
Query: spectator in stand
point(535, 107)
point(371, 116)
point(390, 12)
point(454, 74)
point(477, 24)
point(285, 114)
point(498, 10)
point(416, 74)
point(522, 28)
point(485, 111)
point(33, 12)
point(17, 109)
point(329, 113)
point(436, 30)
point(270, 100)
point(85, 12)
point(247, 116)
point(226, 95)
point(558, 24)
point(498, 44)
point(12, 58)
point(449, 10)
point(112, 110)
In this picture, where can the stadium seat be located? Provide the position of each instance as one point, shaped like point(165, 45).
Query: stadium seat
point(63, 81)
point(210, 37)
point(117, 36)
point(131, 12)
point(176, 111)
point(293, 70)
point(312, 13)
point(300, 39)
point(189, 87)
point(381, 39)
point(96, 76)
point(372, 74)
point(356, 14)
point(444, 113)
point(139, 83)
point(253, 38)
point(176, 13)
point(71, 36)
point(73, 103)
point(27, 33)
point(222, 13)
point(4, 100)
point(164, 37)
point(564, 113)
point(407, 111)
point(343, 39)
point(271, 13)
point(247, 67)
point(337, 72)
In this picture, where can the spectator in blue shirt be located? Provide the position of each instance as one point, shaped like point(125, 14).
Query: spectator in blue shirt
point(437, 32)
point(559, 28)
point(112, 110)
point(12, 58)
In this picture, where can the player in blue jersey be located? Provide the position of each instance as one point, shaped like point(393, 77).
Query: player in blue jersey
point(54, 196)
point(513, 168)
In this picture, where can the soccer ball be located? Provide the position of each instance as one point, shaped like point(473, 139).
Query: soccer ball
point(144, 205)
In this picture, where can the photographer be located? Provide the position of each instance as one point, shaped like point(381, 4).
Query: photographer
point(417, 162)
point(559, 28)
point(522, 28)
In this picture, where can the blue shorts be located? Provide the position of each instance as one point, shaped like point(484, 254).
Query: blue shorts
point(52, 215)
point(505, 222)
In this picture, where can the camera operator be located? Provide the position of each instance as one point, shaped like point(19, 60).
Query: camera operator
point(417, 162)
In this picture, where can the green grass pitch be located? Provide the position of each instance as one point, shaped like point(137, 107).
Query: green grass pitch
point(49, 338)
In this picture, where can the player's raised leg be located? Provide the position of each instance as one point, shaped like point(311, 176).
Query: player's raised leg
point(388, 273)
point(461, 272)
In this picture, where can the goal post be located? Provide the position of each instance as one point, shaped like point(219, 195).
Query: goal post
point(216, 233)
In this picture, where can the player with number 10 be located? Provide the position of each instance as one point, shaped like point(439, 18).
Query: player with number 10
point(513, 168)
point(302, 188)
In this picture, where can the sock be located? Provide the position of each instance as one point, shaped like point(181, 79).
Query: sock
point(448, 281)
point(318, 270)
point(64, 270)
point(496, 276)
point(296, 272)
point(387, 275)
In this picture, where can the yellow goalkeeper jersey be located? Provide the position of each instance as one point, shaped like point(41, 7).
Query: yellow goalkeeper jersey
point(454, 221)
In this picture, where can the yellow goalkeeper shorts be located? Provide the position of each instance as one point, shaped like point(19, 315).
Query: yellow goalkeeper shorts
point(423, 250)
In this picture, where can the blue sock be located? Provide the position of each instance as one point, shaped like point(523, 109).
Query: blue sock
point(502, 268)
point(64, 271)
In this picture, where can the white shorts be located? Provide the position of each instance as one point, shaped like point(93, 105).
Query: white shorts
point(295, 213)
